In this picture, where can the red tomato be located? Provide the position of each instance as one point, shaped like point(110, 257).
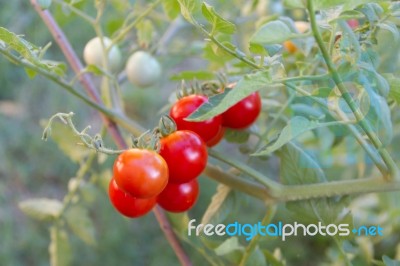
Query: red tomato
point(141, 173)
point(128, 205)
point(217, 139)
point(244, 113)
point(179, 197)
point(184, 107)
point(186, 155)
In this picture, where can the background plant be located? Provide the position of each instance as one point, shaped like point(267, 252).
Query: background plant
point(330, 120)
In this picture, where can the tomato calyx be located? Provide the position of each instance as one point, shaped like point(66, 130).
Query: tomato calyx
point(166, 126)
point(149, 140)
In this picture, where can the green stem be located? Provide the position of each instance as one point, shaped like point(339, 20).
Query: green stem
point(273, 186)
point(271, 210)
point(337, 188)
point(132, 126)
point(349, 100)
point(84, 168)
point(121, 34)
point(251, 188)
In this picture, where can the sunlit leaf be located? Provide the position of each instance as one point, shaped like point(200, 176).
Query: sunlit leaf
point(41, 209)
point(219, 24)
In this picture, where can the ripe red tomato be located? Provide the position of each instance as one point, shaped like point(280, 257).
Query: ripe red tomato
point(184, 107)
point(179, 197)
point(141, 173)
point(217, 139)
point(186, 155)
point(128, 205)
point(244, 113)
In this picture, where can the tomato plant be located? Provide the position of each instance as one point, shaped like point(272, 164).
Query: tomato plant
point(179, 197)
point(186, 155)
point(141, 173)
point(311, 129)
point(128, 205)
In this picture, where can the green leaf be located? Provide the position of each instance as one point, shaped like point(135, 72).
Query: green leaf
point(236, 136)
point(390, 262)
point(297, 167)
point(294, 3)
point(221, 102)
point(394, 84)
point(171, 8)
point(222, 204)
point(26, 49)
point(31, 73)
point(188, 7)
point(41, 209)
point(295, 127)
point(145, 32)
point(306, 110)
point(256, 258)
point(190, 75)
point(229, 245)
point(59, 248)
point(81, 224)
point(179, 221)
point(274, 32)
point(219, 24)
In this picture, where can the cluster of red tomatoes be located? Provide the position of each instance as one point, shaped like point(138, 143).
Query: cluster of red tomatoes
point(143, 178)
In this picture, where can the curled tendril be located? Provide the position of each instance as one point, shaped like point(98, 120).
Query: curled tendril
point(96, 143)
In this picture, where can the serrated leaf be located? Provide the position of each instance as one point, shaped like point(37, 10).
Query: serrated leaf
point(171, 8)
point(274, 32)
point(221, 102)
point(222, 203)
point(190, 75)
point(21, 46)
point(219, 24)
point(390, 262)
point(41, 209)
point(59, 248)
point(230, 245)
point(187, 9)
point(81, 224)
point(294, 128)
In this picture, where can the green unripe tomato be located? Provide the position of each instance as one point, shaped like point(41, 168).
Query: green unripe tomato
point(44, 4)
point(142, 69)
point(93, 54)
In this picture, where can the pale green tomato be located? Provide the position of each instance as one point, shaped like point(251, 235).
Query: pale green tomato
point(93, 54)
point(142, 69)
